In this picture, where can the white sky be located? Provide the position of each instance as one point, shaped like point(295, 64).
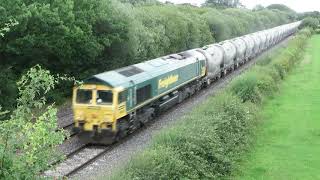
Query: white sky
point(297, 5)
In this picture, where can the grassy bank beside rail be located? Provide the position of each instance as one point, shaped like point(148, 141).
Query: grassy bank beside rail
point(208, 142)
point(287, 145)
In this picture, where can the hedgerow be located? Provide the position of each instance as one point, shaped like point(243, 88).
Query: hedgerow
point(208, 142)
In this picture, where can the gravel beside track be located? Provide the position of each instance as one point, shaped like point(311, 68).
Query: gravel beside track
point(76, 161)
point(65, 117)
point(71, 145)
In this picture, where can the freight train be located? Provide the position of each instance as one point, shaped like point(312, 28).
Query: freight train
point(113, 104)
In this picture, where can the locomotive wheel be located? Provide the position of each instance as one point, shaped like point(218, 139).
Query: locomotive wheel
point(208, 82)
point(123, 130)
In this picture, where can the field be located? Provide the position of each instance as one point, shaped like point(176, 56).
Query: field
point(288, 145)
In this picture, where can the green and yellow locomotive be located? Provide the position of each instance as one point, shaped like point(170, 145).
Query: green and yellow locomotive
point(112, 104)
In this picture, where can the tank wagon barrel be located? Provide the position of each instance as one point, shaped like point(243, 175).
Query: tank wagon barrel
point(113, 104)
point(241, 47)
point(230, 55)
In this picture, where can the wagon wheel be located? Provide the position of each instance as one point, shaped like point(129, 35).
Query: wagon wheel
point(208, 82)
point(225, 72)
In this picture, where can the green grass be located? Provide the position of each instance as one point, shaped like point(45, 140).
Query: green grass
point(288, 140)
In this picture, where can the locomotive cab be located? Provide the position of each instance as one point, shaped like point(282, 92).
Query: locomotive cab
point(97, 107)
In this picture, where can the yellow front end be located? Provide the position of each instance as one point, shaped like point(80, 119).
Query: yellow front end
point(97, 107)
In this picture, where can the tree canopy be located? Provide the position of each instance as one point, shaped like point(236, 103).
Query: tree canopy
point(281, 7)
point(222, 3)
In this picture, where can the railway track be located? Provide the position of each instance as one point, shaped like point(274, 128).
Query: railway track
point(77, 160)
point(85, 155)
point(69, 128)
point(66, 122)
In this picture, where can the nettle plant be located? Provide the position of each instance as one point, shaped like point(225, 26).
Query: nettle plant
point(29, 138)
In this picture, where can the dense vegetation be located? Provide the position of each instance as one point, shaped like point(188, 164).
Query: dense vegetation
point(84, 37)
point(28, 139)
point(207, 143)
point(289, 132)
point(223, 3)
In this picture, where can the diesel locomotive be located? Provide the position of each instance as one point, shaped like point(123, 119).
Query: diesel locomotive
point(113, 104)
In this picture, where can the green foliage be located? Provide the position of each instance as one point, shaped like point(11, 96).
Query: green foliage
point(7, 27)
point(247, 88)
point(208, 142)
point(284, 62)
point(256, 84)
point(141, 2)
point(29, 138)
point(202, 147)
point(222, 3)
point(262, 81)
point(8, 89)
point(314, 14)
point(85, 37)
point(311, 22)
point(281, 7)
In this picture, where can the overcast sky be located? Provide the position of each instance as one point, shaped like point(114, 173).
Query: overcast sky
point(297, 5)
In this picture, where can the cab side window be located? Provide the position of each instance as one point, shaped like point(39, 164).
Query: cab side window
point(122, 97)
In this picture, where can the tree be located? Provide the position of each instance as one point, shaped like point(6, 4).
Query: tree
point(8, 90)
point(28, 140)
point(222, 3)
point(7, 27)
point(281, 7)
point(141, 2)
point(311, 22)
point(258, 7)
point(314, 14)
point(75, 37)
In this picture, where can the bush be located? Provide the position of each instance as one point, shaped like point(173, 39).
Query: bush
point(254, 85)
point(246, 88)
point(286, 60)
point(266, 60)
point(28, 140)
point(8, 89)
point(310, 22)
point(203, 146)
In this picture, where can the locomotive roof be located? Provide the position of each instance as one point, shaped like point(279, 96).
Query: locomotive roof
point(137, 73)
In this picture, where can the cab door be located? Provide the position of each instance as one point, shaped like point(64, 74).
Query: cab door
point(122, 104)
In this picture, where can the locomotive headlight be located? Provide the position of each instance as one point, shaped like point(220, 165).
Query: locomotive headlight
point(79, 116)
point(107, 120)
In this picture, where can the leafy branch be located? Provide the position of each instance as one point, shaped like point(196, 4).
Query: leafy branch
point(7, 27)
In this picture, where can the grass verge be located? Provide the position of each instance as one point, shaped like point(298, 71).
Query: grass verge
point(288, 140)
point(208, 143)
